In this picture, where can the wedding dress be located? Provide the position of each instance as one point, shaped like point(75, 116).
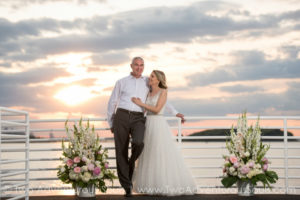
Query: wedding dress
point(160, 168)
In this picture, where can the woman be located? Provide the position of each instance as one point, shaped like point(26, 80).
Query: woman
point(160, 169)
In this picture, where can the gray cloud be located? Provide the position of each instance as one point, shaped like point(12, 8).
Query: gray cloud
point(32, 27)
point(18, 4)
point(291, 51)
point(110, 58)
point(35, 75)
point(249, 65)
point(286, 103)
point(240, 88)
point(125, 30)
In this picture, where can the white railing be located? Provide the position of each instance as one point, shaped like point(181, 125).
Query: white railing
point(8, 122)
point(286, 164)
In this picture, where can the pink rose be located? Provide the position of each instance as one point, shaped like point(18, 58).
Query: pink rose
point(236, 164)
point(77, 170)
point(77, 159)
point(96, 171)
point(233, 159)
point(265, 160)
point(245, 169)
point(251, 164)
point(69, 162)
point(91, 166)
point(265, 167)
point(106, 165)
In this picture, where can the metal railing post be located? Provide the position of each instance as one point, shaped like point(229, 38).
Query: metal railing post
point(0, 150)
point(286, 172)
point(27, 167)
point(179, 131)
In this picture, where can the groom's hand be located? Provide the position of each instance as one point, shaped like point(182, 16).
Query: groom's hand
point(181, 116)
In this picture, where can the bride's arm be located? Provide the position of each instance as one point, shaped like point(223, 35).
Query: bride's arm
point(155, 109)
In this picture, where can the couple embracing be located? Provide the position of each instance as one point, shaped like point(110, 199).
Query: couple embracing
point(160, 166)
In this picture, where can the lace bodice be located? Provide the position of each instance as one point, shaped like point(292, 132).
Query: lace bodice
point(152, 101)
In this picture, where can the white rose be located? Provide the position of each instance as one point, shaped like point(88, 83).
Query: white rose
point(247, 154)
point(257, 166)
point(77, 177)
point(88, 161)
point(84, 168)
point(86, 177)
point(231, 169)
point(97, 163)
point(62, 169)
point(72, 175)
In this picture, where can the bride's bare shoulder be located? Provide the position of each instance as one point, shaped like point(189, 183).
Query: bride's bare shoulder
point(164, 91)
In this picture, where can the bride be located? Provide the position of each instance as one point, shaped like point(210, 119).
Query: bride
point(160, 169)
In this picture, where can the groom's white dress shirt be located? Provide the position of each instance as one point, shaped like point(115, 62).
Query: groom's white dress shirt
point(124, 90)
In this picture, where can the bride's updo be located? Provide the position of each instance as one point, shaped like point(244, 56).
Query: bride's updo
point(161, 77)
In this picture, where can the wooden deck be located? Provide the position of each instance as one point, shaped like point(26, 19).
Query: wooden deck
point(198, 196)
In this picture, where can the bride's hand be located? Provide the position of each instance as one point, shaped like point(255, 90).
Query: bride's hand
point(136, 100)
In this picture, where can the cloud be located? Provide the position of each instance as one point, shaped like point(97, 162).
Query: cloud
point(85, 82)
point(35, 75)
point(285, 103)
point(240, 88)
point(124, 30)
point(110, 58)
point(249, 65)
point(31, 27)
point(18, 4)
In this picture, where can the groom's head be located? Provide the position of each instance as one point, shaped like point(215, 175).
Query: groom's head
point(137, 66)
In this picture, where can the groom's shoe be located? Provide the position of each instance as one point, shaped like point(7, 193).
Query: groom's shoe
point(128, 192)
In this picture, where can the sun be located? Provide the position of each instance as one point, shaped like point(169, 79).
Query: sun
point(74, 95)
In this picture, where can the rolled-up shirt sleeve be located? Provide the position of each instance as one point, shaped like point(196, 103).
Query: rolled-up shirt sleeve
point(170, 109)
point(113, 102)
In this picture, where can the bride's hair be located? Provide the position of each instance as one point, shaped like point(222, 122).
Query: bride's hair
point(161, 77)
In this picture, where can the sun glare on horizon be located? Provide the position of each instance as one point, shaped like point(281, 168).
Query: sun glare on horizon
point(74, 95)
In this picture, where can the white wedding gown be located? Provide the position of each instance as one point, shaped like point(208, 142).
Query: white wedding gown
point(160, 168)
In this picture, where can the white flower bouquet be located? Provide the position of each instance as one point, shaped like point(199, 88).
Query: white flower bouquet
point(84, 160)
point(247, 161)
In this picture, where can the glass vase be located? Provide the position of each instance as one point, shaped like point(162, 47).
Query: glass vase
point(245, 188)
point(88, 191)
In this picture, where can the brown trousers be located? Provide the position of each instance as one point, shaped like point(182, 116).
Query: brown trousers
point(126, 124)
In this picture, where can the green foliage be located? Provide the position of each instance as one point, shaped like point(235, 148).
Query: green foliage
point(229, 181)
point(247, 161)
point(85, 144)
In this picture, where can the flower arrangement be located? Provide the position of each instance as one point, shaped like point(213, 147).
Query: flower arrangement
point(247, 161)
point(84, 160)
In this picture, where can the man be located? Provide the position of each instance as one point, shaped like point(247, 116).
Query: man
point(129, 120)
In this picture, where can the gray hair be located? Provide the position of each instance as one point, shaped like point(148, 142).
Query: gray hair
point(136, 58)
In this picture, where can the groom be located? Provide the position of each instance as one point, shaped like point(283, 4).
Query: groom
point(127, 119)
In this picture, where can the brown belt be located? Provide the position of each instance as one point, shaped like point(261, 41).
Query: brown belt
point(130, 112)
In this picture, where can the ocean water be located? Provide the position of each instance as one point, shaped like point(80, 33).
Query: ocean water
point(196, 166)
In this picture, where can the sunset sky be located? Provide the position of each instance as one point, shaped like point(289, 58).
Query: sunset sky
point(61, 58)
